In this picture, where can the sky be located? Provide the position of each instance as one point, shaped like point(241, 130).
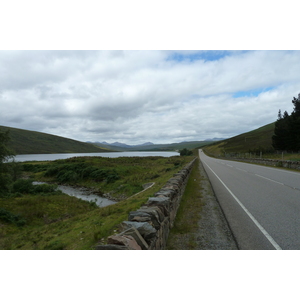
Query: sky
point(137, 96)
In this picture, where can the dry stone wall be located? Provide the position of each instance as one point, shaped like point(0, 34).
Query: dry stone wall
point(148, 227)
point(272, 162)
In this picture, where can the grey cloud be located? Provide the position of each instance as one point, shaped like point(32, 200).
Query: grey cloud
point(139, 96)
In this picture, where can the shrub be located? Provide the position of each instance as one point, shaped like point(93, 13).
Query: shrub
point(185, 152)
point(99, 174)
point(53, 171)
point(9, 217)
point(87, 171)
point(67, 176)
point(23, 186)
point(34, 167)
point(112, 178)
point(44, 188)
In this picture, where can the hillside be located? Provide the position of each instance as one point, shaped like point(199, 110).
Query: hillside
point(253, 141)
point(32, 142)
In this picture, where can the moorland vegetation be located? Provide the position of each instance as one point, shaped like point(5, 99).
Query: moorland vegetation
point(42, 217)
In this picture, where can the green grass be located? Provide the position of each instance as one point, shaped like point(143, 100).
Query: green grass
point(58, 221)
point(186, 222)
point(257, 142)
point(123, 176)
point(253, 141)
point(32, 142)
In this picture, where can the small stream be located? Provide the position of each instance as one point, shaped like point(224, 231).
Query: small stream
point(82, 193)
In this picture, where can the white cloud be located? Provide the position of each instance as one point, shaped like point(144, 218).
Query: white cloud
point(139, 96)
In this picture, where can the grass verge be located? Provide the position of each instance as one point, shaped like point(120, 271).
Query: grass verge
point(182, 235)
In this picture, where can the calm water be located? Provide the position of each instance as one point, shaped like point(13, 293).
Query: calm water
point(44, 157)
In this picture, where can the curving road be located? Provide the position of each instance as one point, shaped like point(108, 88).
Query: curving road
point(261, 204)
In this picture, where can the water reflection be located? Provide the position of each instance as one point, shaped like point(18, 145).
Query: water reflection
point(45, 157)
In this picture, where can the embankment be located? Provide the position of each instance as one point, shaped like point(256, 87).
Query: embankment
point(148, 227)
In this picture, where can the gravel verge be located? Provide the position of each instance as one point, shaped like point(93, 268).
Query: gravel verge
point(213, 230)
point(210, 230)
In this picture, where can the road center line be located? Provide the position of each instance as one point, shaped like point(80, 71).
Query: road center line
point(269, 179)
point(264, 232)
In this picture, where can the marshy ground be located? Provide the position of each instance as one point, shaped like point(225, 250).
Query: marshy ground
point(42, 218)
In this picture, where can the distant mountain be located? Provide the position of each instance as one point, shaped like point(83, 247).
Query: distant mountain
point(146, 144)
point(215, 139)
point(121, 145)
point(153, 147)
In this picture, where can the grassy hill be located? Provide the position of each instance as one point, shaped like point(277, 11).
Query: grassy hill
point(32, 142)
point(253, 141)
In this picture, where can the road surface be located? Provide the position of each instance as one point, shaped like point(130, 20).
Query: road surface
point(261, 204)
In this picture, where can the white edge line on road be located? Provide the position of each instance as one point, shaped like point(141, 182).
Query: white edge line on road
point(264, 232)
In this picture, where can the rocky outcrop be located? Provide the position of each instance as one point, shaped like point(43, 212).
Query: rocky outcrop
point(148, 227)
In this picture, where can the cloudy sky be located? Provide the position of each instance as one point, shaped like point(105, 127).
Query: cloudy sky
point(139, 93)
point(140, 96)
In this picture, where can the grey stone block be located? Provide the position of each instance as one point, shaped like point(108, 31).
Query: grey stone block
point(161, 202)
point(147, 231)
point(136, 235)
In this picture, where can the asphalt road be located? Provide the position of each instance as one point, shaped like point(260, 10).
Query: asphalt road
point(261, 204)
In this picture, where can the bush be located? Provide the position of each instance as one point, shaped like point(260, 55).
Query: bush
point(9, 217)
point(23, 186)
point(87, 171)
point(34, 167)
point(112, 178)
point(185, 152)
point(53, 171)
point(44, 188)
point(99, 174)
point(67, 177)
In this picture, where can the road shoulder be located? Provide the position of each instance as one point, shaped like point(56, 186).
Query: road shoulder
point(200, 223)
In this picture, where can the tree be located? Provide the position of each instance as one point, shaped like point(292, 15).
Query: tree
point(185, 152)
point(296, 102)
point(287, 129)
point(5, 155)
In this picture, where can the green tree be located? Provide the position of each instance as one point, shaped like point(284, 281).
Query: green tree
point(185, 152)
point(5, 155)
point(287, 129)
point(281, 135)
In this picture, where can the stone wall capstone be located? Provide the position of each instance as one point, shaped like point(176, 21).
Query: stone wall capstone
point(148, 227)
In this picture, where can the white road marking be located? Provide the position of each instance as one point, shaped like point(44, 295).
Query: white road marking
point(269, 179)
point(264, 232)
